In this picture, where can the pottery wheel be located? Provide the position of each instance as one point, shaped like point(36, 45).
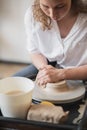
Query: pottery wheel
point(75, 92)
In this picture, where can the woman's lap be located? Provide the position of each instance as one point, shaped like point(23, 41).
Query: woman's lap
point(30, 71)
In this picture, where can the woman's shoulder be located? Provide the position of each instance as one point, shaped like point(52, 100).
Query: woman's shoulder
point(83, 16)
point(29, 19)
point(82, 19)
point(28, 15)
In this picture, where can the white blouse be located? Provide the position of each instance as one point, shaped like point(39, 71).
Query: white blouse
point(68, 52)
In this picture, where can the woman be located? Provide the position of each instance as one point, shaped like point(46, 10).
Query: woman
point(57, 35)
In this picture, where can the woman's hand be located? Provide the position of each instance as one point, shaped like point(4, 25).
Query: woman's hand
point(49, 74)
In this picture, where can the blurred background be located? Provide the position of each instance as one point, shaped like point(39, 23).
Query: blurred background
point(12, 34)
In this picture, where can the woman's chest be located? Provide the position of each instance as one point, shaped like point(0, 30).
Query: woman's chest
point(52, 43)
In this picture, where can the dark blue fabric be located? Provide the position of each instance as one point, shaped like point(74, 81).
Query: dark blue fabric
point(30, 71)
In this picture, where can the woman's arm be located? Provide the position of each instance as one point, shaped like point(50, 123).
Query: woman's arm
point(38, 60)
point(77, 73)
point(49, 74)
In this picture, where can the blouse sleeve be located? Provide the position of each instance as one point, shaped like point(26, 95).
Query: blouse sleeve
point(30, 32)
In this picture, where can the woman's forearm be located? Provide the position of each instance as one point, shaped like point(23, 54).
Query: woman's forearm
point(38, 60)
point(77, 73)
point(50, 74)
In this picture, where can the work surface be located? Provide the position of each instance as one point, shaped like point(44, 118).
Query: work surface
point(77, 118)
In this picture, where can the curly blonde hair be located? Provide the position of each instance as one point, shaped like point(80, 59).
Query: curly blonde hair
point(40, 16)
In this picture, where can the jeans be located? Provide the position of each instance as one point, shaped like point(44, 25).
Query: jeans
point(30, 71)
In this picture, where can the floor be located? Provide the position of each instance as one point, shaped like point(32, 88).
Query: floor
point(8, 69)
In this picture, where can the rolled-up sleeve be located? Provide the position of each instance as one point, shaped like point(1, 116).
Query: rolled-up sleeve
point(30, 32)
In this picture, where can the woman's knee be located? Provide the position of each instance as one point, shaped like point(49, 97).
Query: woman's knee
point(30, 72)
